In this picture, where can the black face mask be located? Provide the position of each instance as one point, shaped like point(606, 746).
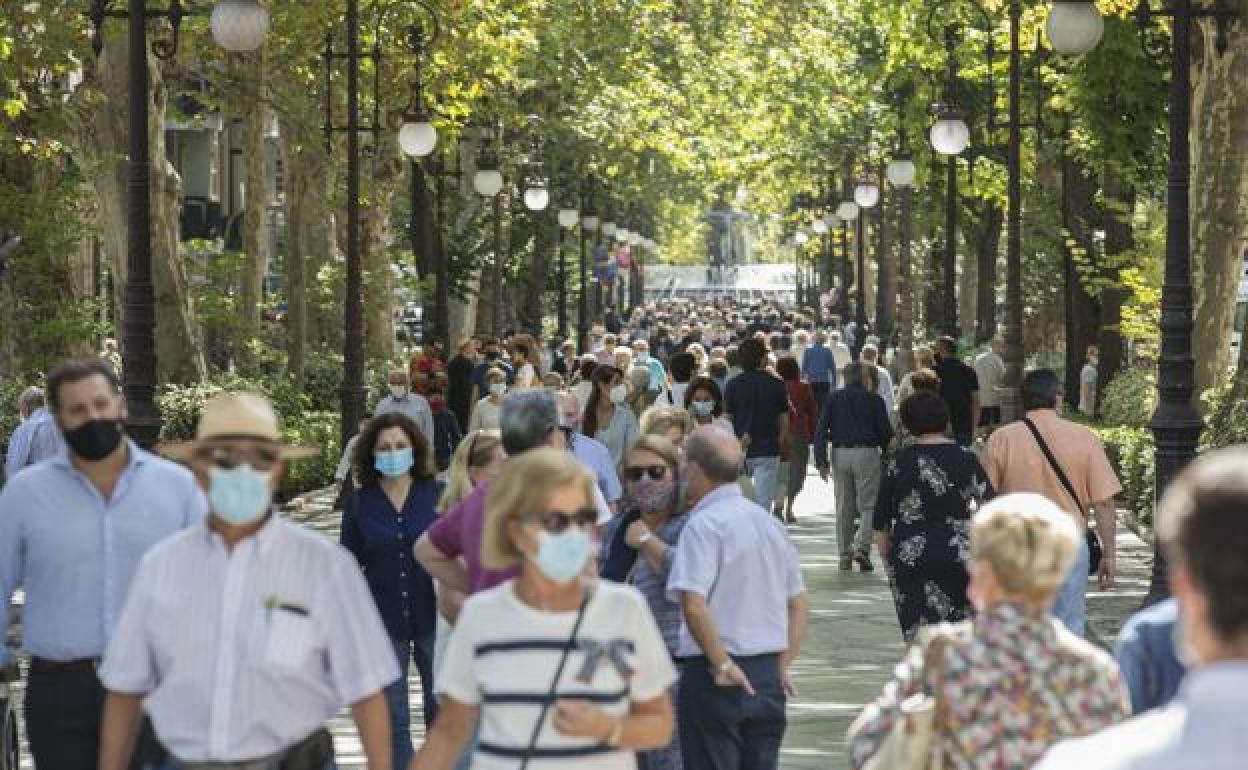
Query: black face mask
point(94, 439)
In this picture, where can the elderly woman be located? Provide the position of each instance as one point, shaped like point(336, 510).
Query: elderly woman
point(640, 543)
point(923, 514)
point(674, 424)
point(924, 361)
point(555, 665)
point(1013, 681)
point(607, 416)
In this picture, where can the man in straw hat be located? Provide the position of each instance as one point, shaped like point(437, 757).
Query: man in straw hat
point(243, 637)
point(72, 531)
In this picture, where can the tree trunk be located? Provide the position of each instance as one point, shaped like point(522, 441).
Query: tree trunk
point(969, 279)
point(905, 282)
point(1219, 192)
point(255, 202)
point(532, 305)
point(98, 132)
point(1119, 241)
point(987, 247)
point(1078, 221)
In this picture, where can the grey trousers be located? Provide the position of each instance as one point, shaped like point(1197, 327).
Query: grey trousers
point(857, 478)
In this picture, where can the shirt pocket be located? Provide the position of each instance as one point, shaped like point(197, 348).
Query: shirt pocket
point(291, 638)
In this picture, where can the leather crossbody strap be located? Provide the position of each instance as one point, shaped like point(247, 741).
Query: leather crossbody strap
point(1057, 469)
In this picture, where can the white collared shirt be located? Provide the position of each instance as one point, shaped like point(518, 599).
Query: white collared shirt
point(243, 653)
point(740, 559)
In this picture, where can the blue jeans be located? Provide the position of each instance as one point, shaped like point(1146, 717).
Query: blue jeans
point(408, 650)
point(1071, 603)
point(763, 473)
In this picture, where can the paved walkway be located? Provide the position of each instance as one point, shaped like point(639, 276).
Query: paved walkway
point(853, 644)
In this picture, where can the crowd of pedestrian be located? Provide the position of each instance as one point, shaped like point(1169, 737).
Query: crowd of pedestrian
point(584, 558)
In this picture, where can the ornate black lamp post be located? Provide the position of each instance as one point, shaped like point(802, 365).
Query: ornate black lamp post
point(237, 25)
point(590, 223)
point(950, 136)
point(568, 217)
point(1176, 424)
point(901, 172)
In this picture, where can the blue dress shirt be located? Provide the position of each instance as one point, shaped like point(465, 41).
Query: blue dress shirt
point(594, 455)
point(381, 539)
point(1145, 653)
point(35, 440)
point(75, 552)
point(819, 365)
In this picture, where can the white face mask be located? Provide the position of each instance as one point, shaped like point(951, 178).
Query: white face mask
point(498, 388)
point(618, 394)
point(398, 391)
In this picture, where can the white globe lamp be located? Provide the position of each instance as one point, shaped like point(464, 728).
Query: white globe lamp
point(820, 227)
point(590, 222)
point(1074, 27)
point(418, 139)
point(901, 172)
point(608, 229)
point(568, 218)
point(867, 194)
point(488, 182)
point(537, 198)
point(239, 25)
point(847, 211)
point(950, 134)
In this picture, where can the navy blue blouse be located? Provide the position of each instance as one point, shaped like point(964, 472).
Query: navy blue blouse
point(381, 539)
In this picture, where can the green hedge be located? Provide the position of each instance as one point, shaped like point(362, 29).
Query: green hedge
point(302, 424)
point(1130, 398)
point(1130, 450)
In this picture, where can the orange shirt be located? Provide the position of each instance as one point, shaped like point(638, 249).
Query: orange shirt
point(1015, 463)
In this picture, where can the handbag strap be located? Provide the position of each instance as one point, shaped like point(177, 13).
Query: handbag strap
point(1057, 469)
point(554, 683)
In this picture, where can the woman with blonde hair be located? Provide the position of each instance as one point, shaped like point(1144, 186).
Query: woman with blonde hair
point(1013, 681)
point(478, 458)
point(672, 423)
point(554, 664)
point(924, 361)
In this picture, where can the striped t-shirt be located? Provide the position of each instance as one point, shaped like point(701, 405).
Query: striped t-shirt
point(503, 656)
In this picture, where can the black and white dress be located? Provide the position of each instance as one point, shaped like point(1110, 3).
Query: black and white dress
point(503, 656)
point(927, 497)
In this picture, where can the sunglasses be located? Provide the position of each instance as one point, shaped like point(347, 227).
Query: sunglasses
point(228, 458)
point(556, 522)
point(655, 472)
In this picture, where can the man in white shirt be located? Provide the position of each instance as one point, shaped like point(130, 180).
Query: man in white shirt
point(243, 636)
point(1204, 533)
point(404, 401)
point(1087, 383)
point(990, 371)
point(739, 583)
point(871, 357)
point(842, 356)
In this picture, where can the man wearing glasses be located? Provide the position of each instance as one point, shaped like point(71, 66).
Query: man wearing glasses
point(72, 532)
point(242, 637)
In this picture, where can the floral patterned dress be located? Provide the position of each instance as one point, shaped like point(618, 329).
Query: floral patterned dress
point(1012, 683)
point(927, 497)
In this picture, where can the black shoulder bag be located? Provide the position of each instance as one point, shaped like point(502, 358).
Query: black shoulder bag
point(1095, 550)
point(554, 683)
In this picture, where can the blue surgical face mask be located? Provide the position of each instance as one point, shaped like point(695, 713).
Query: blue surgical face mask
point(394, 464)
point(239, 496)
point(498, 388)
point(703, 408)
point(563, 557)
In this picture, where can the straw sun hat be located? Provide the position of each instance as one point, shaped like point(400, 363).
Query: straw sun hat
point(236, 416)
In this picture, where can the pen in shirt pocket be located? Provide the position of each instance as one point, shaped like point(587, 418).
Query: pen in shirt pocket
point(274, 603)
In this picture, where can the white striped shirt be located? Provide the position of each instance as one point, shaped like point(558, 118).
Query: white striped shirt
point(503, 656)
point(243, 653)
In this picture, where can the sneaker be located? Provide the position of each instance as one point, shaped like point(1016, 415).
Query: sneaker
point(864, 562)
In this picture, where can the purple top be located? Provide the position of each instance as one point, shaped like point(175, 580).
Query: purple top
point(459, 533)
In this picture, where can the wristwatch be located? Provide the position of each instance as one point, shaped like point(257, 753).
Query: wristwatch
point(722, 668)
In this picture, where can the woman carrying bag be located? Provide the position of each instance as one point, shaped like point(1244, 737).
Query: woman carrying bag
point(994, 693)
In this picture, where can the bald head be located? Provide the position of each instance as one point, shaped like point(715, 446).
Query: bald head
point(716, 452)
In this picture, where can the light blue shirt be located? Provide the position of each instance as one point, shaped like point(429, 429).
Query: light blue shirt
point(75, 552)
point(819, 365)
point(35, 440)
point(594, 455)
point(741, 560)
point(619, 435)
point(415, 407)
point(1201, 729)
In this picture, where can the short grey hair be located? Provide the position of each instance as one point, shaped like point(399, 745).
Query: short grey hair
point(716, 452)
point(526, 419)
point(30, 400)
